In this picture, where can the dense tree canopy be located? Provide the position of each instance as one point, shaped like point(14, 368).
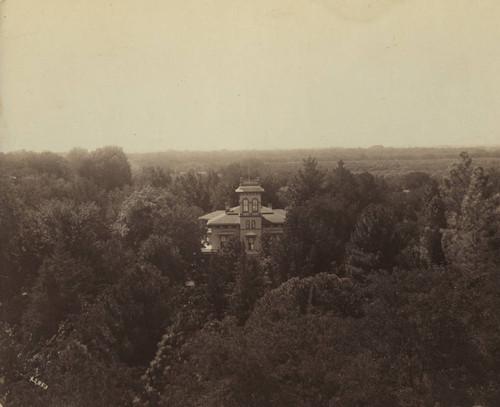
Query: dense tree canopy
point(381, 291)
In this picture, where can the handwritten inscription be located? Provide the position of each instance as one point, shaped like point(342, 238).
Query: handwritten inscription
point(39, 383)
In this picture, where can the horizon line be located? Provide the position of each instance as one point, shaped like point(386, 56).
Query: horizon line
point(226, 150)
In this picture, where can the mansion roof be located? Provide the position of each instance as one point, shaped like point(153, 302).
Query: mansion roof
point(249, 186)
point(231, 217)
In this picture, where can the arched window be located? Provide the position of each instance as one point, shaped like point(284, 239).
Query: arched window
point(253, 224)
point(248, 224)
point(245, 205)
point(255, 205)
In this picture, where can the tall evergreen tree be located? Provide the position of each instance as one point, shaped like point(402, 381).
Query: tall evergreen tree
point(455, 186)
point(374, 243)
point(475, 238)
point(432, 222)
point(308, 182)
point(248, 289)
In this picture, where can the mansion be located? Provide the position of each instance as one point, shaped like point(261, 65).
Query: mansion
point(247, 221)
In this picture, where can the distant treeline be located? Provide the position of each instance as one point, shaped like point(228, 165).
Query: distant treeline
point(387, 161)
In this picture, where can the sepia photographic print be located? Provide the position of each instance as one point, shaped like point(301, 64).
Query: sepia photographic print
point(249, 203)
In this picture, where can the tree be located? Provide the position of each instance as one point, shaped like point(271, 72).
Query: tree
point(455, 186)
point(221, 276)
point(249, 287)
point(108, 167)
point(78, 229)
point(275, 260)
point(63, 285)
point(194, 188)
point(416, 180)
point(318, 228)
point(77, 158)
point(11, 281)
point(163, 230)
point(308, 181)
point(374, 242)
point(290, 352)
point(156, 177)
point(418, 337)
point(65, 372)
point(49, 163)
point(432, 222)
point(475, 238)
point(191, 313)
point(315, 234)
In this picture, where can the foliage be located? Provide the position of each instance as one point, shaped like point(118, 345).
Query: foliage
point(319, 228)
point(194, 189)
point(156, 177)
point(162, 230)
point(108, 167)
point(381, 292)
point(474, 238)
point(221, 275)
point(249, 287)
point(374, 241)
point(432, 222)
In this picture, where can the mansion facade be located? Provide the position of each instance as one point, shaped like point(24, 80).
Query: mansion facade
point(247, 221)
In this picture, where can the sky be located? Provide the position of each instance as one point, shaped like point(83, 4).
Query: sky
point(155, 75)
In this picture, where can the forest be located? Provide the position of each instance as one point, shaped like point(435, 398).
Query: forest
point(383, 291)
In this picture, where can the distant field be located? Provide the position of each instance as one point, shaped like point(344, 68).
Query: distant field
point(436, 167)
point(388, 162)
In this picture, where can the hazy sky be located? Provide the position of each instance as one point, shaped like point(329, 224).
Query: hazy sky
point(231, 74)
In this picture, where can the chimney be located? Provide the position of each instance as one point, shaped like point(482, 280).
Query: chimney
point(227, 207)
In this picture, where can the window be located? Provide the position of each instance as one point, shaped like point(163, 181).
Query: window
point(255, 205)
point(245, 205)
point(223, 240)
point(251, 243)
point(253, 224)
point(248, 224)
